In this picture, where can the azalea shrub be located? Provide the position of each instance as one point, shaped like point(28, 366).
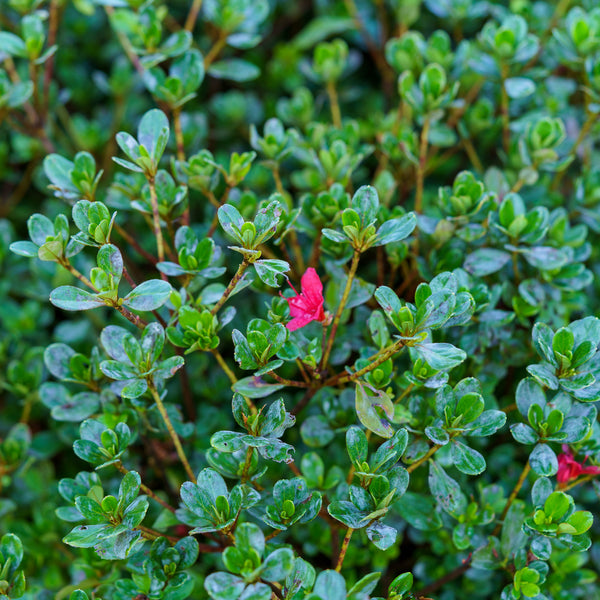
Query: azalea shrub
point(299, 299)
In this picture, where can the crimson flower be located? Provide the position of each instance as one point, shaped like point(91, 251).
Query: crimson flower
point(569, 468)
point(308, 305)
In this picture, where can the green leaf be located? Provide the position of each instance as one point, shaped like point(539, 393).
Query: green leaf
point(485, 261)
point(85, 536)
point(388, 300)
point(57, 358)
point(40, 228)
point(348, 514)
point(383, 536)
point(58, 170)
point(153, 133)
point(152, 342)
point(302, 577)
point(378, 329)
point(446, 491)
point(255, 387)
point(440, 356)
point(437, 435)
point(113, 341)
point(277, 565)
point(320, 28)
point(134, 389)
point(469, 406)
point(530, 392)
point(19, 94)
point(367, 403)
point(523, 433)
point(543, 460)
point(519, 87)
point(270, 269)
point(71, 298)
point(420, 511)
point(587, 329)
point(65, 407)
point(125, 163)
point(188, 550)
point(364, 586)
point(316, 431)
point(234, 69)
point(556, 505)
point(581, 520)
point(224, 586)
point(467, 460)
point(513, 538)
point(366, 202)
point(149, 295)
point(357, 445)
point(51, 251)
point(330, 585)
point(266, 222)
point(390, 451)
point(562, 341)
point(231, 221)
point(130, 147)
point(395, 230)
point(28, 249)
point(401, 584)
point(488, 423)
point(334, 236)
point(110, 260)
point(200, 497)
point(257, 591)
point(525, 580)
point(12, 44)
point(11, 548)
point(129, 489)
point(229, 441)
point(544, 374)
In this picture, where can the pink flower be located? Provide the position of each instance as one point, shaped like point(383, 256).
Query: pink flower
point(569, 468)
point(308, 305)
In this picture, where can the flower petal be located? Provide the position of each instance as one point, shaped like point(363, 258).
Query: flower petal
point(312, 287)
point(299, 321)
point(298, 306)
point(591, 470)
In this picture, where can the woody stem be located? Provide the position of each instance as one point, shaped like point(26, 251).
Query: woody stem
point(236, 278)
point(512, 497)
point(340, 308)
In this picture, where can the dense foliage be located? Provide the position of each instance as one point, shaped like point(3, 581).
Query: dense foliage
point(298, 299)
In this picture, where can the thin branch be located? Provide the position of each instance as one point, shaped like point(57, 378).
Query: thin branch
point(421, 166)
point(340, 308)
point(334, 103)
point(288, 382)
point(432, 587)
point(125, 43)
point(344, 549)
point(230, 374)
point(423, 459)
point(373, 362)
point(122, 469)
point(212, 54)
point(193, 15)
point(49, 66)
point(133, 242)
point(304, 401)
point(232, 284)
point(176, 441)
point(156, 223)
point(512, 497)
